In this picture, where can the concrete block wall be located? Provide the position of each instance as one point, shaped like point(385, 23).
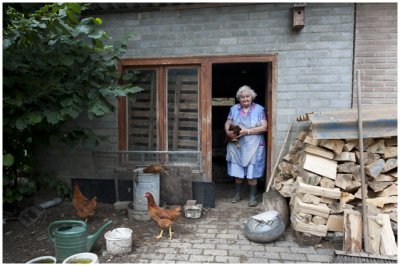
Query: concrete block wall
point(78, 162)
point(314, 65)
point(376, 53)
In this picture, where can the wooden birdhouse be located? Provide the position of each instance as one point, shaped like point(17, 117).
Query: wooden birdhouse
point(298, 17)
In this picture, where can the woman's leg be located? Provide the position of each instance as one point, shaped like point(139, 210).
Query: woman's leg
point(253, 192)
point(238, 190)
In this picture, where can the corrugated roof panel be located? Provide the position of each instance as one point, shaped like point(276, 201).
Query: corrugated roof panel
point(343, 124)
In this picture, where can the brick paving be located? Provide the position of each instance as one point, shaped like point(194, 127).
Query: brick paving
point(218, 237)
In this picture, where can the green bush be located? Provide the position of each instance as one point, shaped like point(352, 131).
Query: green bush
point(57, 65)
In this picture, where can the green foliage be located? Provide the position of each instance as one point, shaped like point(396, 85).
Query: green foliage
point(56, 66)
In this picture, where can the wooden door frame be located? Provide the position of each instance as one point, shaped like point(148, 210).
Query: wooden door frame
point(205, 99)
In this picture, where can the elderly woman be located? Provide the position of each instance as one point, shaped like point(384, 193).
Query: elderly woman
point(246, 160)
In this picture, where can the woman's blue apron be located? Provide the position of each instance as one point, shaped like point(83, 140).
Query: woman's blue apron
point(251, 149)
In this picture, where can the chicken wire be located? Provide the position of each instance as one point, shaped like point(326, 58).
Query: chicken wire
point(106, 163)
point(121, 165)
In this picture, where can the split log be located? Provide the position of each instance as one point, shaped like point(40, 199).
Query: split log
point(301, 135)
point(390, 164)
point(358, 193)
point(375, 168)
point(368, 157)
point(285, 188)
point(379, 186)
point(389, 191)
point(390, 142)
point(338, 207)
point(319, 165)
point(349, 167)
point(366, 143)
point(327, 200)
point(385, 177)
point(311, 141)
point(346, 182)
point(336, 145)
point(381, 201)
point(318, 191)
point(327, 183)
point(288, 157)
point(350, 144)
point(308, 177)
point(335, 223)
point(352, 226)
point(393, 216)
point(345, 157)
point(377, 147)
point(393, 173)
point(319, 151)
point(319, 220)
point(346, 197)
point(390, 152)
point(308, 198)
point(320, 209)
point(303, 217)
point(313, 229)
point(388, 245)
point(388, 208)
point(375, 225)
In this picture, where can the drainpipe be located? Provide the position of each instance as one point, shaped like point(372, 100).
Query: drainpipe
point(354, 53)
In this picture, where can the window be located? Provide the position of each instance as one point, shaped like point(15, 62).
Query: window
point(183, 109)
point(142, 114)
point(145, 117)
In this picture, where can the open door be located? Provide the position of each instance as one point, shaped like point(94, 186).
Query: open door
point(227, 78)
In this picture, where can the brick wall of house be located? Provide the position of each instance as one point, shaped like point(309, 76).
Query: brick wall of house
point(376, 53)
point(315, 65)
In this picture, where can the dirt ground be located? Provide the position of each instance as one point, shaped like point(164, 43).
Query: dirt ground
point(21, 244)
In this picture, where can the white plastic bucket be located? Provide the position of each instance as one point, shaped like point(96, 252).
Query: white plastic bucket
point(43, 259)
point(119, 241)
point(82, 258)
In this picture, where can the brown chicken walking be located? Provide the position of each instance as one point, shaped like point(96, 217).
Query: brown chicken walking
point(85, 208)
point(165, 218)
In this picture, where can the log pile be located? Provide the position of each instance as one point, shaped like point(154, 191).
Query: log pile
point(322, 179)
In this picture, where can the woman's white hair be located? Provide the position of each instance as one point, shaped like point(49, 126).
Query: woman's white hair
point(243, 89)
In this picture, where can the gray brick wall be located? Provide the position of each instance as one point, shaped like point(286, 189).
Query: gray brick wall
point(314, 65)
point(376, 53)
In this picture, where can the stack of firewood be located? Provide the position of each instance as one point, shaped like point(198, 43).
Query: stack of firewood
point(323, 180)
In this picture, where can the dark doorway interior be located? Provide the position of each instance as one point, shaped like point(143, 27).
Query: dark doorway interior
point(227, 78)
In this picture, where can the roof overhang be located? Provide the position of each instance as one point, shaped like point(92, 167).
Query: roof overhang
point(343, 124)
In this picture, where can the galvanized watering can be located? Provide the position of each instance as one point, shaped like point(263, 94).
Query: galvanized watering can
point(71, 237)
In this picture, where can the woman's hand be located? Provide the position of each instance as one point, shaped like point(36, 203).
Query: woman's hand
point(244, 132)
point(230, 134)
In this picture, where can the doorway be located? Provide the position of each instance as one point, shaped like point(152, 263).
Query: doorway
point(227, 78)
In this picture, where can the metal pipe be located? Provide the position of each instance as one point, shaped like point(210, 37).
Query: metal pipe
point(361, 143)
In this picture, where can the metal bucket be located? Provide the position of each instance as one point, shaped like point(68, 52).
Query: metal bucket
point(145, 182)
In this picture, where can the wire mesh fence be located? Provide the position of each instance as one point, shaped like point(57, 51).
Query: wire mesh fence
point(120, 165)
point(107, 163)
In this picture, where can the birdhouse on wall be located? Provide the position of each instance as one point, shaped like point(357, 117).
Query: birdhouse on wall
point(298, 17)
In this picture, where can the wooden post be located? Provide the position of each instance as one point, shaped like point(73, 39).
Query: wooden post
point(279, 156)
